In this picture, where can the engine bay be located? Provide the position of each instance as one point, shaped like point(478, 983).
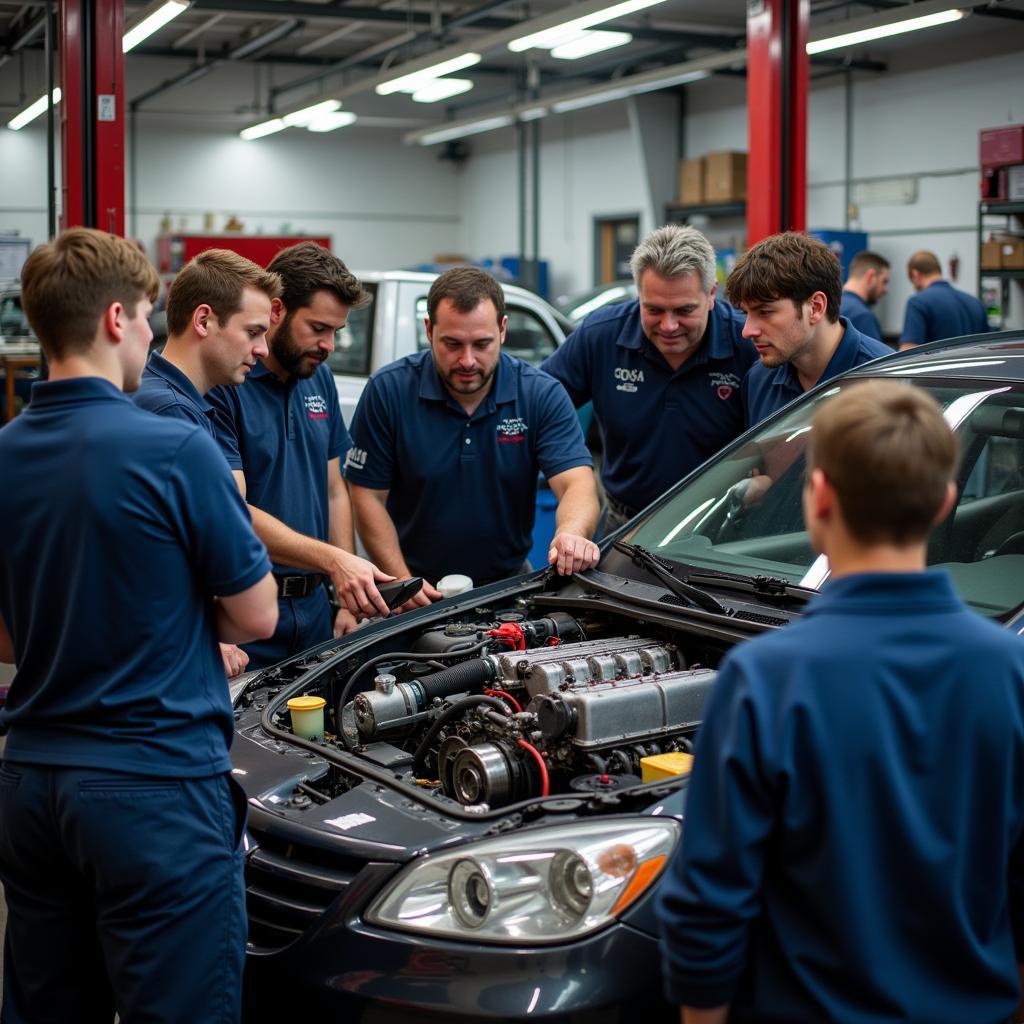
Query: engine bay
point(498, 706)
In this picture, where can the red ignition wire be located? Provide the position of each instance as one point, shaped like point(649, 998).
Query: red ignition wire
point(511, 634)
point(506, 696)
point(545, 781)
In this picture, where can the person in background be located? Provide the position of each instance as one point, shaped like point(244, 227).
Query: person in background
point(447, 445)
point(938, 310)
point(120, 824)
point(218, 313)
point(833, 867)
point(788, 286)
point(867, 282)
point(663, 371)
point(284, 438)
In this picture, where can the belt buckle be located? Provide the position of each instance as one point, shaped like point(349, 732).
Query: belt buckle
point(293, 586)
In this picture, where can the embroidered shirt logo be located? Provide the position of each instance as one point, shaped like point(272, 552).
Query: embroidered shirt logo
point(628, 379)
point(356, 458)
point(512, 430)
point(316, 407)
point(724, 384)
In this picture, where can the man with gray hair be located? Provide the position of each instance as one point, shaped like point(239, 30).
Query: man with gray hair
point(663, 371)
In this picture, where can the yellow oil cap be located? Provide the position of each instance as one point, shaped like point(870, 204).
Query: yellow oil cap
point(665, 766)
point(306, 703)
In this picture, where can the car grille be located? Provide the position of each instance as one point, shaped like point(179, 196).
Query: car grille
point(288, 886)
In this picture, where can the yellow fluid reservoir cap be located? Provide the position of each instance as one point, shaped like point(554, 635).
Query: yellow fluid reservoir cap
point(665, 766)
point(306, 703)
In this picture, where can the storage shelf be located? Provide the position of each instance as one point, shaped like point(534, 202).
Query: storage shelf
point(675, 211)
point(995, 208)
point(1010, 275)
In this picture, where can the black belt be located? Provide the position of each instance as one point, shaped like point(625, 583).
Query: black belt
point(623, 511)
point(298, 586)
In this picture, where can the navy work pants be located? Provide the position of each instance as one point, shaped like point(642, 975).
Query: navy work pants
point(302, 622)
point(124, 893)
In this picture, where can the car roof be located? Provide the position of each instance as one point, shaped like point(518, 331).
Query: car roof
point(376, 276)
point(978, 356)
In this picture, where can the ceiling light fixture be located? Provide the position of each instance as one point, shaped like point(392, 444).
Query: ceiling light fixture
point(461, 131)
point(551, 37)
point(258, 131)
point(590, 42)
point(304, 117)
point(329, 122)
point(591, 99)
point(31, 112)
point(441, 89)
point(415, 79)
point(894, 28)
point(152, 22)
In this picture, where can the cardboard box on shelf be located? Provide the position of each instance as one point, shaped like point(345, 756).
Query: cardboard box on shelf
point(725, 177)
point(991, 255)
point(1012, 257)
point(691, 181)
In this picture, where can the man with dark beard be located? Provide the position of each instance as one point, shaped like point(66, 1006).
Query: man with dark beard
point(284, 438)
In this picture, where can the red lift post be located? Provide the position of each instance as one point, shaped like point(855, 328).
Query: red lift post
point(92, 114)
point(777, 85)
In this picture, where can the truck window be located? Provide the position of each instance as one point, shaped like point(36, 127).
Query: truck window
point(352, 346)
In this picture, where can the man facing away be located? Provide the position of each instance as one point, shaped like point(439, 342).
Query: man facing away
point(938, 310)
point(120, 824)
point(663, 371)
point(867, 282)
point(854, 826)
point(284, 438)
point(218, 313)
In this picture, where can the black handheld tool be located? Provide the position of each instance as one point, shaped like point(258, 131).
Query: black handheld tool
point(399, 591)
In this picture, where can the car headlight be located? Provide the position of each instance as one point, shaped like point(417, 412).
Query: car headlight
point(542, 886)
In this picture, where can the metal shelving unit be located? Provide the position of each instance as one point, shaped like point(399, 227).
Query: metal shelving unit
point(1010, 301)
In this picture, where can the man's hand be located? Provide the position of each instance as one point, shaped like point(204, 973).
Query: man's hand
point(570, 553)
point(234, 658)
point(345, 622)
point(424, 596)
point(355, 582)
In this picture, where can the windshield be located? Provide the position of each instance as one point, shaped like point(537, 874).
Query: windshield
point(744, 514)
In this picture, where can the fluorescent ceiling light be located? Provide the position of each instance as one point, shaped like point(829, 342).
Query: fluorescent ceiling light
point(668, 83)
point(592, 99)
point(152, 23)
point(330, 121)
point(415, 79)
point(881, 31)
point(461, 131)
point(302, 118)
point(31, 112)
point(440, 89)
point(257, 131)
point(590, 42)
point(552, 37)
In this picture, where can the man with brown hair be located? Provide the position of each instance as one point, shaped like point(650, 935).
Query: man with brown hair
point(448, 444)
point(938, 310)
point(120, 825)
point(788, 286)
point(284, 438)
point(854, 841)
point(866, 283)
point(218, 313)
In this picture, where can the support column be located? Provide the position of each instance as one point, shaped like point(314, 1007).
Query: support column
point(777, 85)
point(92, 114)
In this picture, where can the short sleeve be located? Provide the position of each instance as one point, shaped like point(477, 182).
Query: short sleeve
point(226, 413)
point(371, 459)
point(570, 365)
point(915, 323)
point(339, 442)
point(559, 444)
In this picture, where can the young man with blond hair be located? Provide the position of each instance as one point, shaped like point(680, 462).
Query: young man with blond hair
point(854, 839)
point(130, 554)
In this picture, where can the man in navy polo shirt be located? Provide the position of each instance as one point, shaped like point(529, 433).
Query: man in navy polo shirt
point(938, 310)
point(867, 282)
point(283, 436)
point(120, 825)
point(788, 287)
point(447, 445)
point(663, 371)
point(218, 312)
point(835, 866)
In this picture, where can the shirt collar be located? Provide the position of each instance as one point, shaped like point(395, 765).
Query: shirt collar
point(844, 358)
point(174, 376)
point(932, 590)
point(504, 389)
point(714, 345)
point(74, 389)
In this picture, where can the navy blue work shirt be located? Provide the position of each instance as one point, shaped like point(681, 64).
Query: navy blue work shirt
point(765, 390)
point(656, 423)
point(860, 314)
point(121, 528)
point(462, 489)
point(942, 311)
point(281, 434)
point(167, 391)
point(852, 848)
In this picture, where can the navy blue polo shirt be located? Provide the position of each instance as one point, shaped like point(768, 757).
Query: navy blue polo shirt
point(121, 528)
point(462, 488)
point(942, 311)
point(656, 423)
point(860, 314)
point(767, 390)
point(854, 826)
point(281, 434)
point(165, 390)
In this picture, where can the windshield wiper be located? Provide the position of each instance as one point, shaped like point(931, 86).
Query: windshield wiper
point(764, 586)
point(658, 567)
